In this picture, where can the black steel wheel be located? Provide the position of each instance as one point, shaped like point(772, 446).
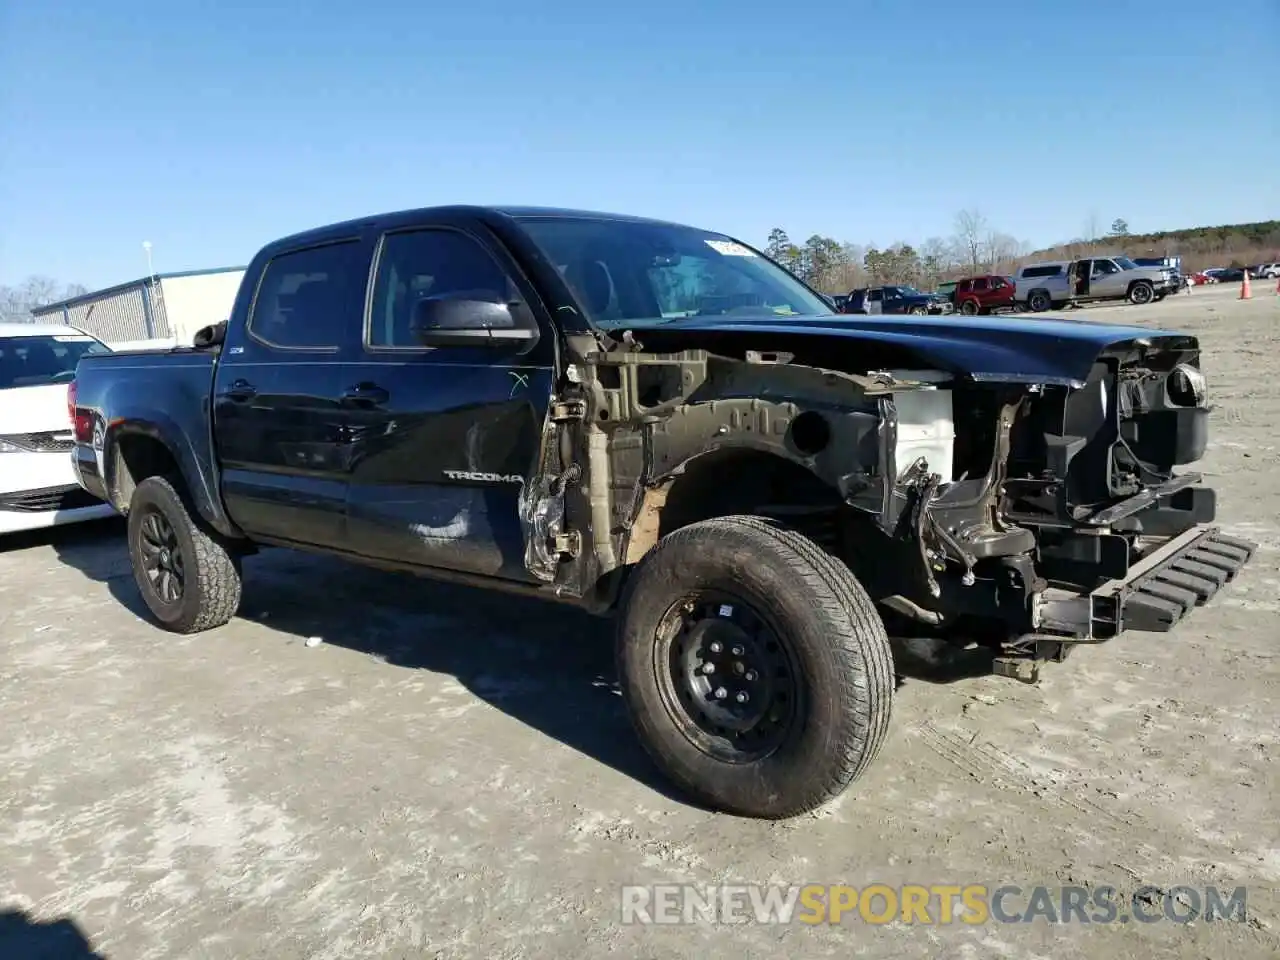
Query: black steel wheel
point(754, 666)
point(730, 678)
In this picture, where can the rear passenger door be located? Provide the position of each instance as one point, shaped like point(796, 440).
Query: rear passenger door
point(277, 425)
point(442, 440)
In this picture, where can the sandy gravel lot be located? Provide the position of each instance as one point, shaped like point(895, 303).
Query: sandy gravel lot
point(451, 775)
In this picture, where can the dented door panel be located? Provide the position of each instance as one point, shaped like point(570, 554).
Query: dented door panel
point(437, 471)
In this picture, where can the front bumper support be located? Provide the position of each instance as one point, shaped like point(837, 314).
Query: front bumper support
point(1157, 592)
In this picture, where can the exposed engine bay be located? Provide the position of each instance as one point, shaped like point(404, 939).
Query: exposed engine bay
point(955, 497)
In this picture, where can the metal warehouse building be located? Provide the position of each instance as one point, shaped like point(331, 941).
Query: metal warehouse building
point(164, 306)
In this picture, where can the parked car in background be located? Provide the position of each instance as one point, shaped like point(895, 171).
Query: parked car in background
point(1227, 274)
point(1055, 284)
point(983, 295)
point(1269, 271)
point(38, 485)
point(897, 300)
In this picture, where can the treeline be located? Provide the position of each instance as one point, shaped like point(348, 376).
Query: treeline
point(976, 247)
point(17, 302)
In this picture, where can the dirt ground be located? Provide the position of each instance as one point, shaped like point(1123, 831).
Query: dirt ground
point(450, 774)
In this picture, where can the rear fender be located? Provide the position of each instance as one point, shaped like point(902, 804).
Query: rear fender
point(195, 471)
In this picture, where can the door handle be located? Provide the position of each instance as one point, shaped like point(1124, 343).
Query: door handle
point(239, 391)
point(365, 395)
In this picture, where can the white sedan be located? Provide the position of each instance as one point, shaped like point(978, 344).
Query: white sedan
point(38, 486)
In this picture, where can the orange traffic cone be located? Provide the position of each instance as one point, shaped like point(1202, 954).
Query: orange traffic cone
point(1245, 292)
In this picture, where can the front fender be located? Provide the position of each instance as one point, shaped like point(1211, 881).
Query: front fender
point(843, 446)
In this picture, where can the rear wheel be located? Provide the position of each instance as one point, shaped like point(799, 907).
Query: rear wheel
point(1039, 301)
point(969, 308)
point(188, 579)
point(756, 670)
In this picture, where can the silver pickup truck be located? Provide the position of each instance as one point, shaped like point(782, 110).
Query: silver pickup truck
point(1054, 284)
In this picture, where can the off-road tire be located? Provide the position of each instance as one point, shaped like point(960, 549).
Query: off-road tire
point(1141, 292)
point(211, 585)
point(844, 665)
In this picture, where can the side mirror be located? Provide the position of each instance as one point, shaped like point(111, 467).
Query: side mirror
point(469, 319)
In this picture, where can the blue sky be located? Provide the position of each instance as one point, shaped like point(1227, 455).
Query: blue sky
point(212, 126)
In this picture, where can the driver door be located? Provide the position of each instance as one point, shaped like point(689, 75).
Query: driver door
point(440, 442)
point(1108, 279)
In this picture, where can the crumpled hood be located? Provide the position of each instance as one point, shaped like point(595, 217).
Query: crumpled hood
point(1008, 349)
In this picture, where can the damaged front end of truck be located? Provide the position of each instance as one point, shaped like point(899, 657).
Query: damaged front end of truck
point(1023, 489)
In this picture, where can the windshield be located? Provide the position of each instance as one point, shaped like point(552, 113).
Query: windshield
point(1125, 263)
point(39, 361)
point(628, 272)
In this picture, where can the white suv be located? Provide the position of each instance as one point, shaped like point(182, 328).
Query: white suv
point(38, 486)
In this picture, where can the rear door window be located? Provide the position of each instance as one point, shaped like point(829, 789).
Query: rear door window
point(311, 299)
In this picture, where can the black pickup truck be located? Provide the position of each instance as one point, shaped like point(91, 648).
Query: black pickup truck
point(655, 420)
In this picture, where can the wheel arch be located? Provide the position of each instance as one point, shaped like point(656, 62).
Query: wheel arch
point(145, 445)
point(725, 481)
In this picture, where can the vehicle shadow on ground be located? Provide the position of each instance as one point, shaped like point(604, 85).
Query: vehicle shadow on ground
point(22, 938)
point(546, 664)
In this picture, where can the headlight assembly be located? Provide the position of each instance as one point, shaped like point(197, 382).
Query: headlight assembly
point(1187, 386)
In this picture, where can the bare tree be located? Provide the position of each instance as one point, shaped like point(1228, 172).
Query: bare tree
point(16, 303)
point(1002, 250)
point(971, 227)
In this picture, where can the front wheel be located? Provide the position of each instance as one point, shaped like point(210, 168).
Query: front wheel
point(755, 668)
point(188, 579)
point(1141, 292)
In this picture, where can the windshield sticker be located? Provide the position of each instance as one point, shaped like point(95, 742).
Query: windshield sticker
point(728, 248)
point(72, 338)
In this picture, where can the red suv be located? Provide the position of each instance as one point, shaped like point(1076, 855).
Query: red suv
point(984, 294)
